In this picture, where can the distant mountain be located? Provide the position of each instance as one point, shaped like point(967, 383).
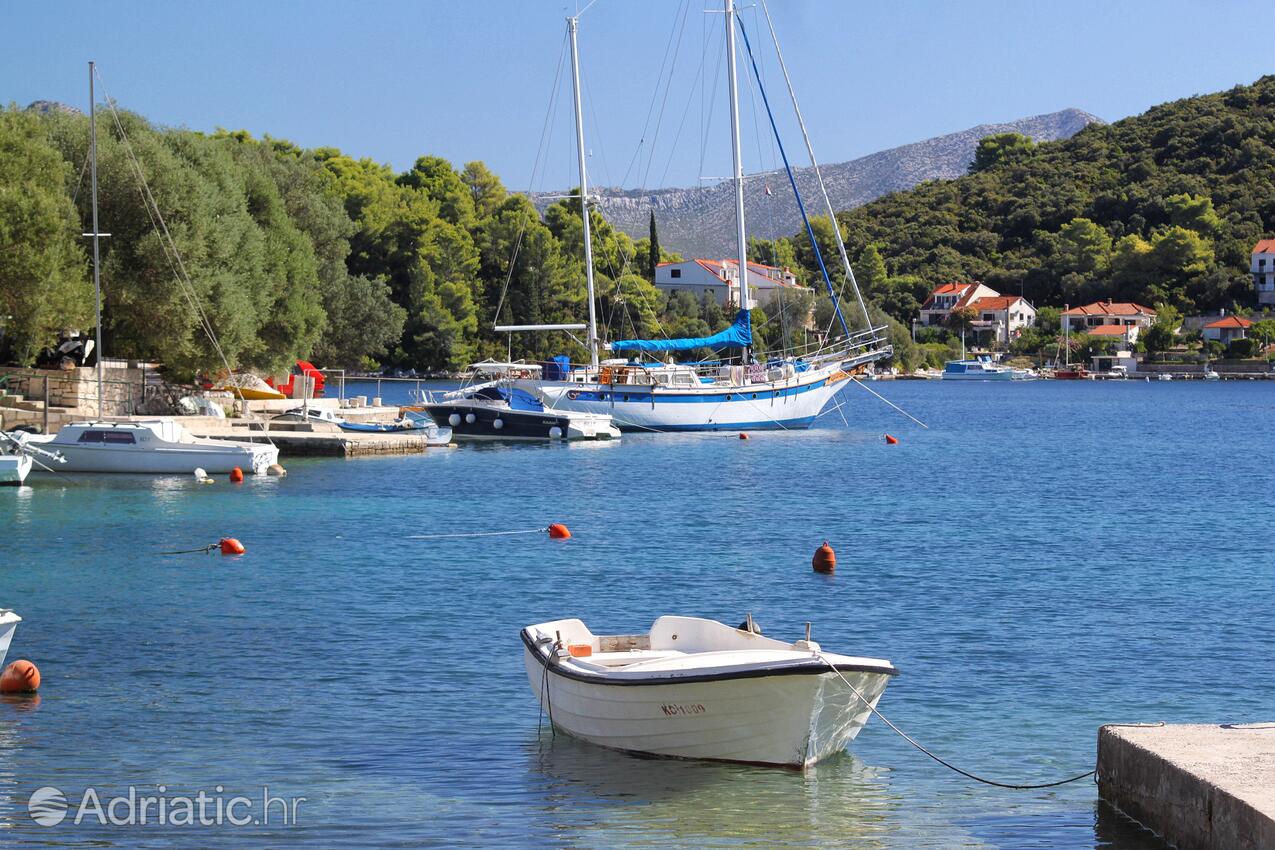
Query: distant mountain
point(700, 221)
point(44, 107)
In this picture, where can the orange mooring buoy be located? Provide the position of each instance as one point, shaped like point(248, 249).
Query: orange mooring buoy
point(743, 436)
point(558, 531)
point(20, 677)
point(231, 546)
point(825, 560)
point(236, 476)
point(891, 441)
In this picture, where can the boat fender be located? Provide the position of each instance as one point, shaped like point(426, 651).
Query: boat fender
point(498, 423)
point(20, 677)
point(231, 546)
point(555, 432)
point(469, 418)
point(558, 531)
point(276, 469)
point(453, 420)
point(236, 476)
point(825, 559)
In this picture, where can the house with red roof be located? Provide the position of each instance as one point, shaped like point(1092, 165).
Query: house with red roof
point(1263, 269)
point(1227, 329)
point(997, 318)
point(721, 279)
point(1121, 314)
point(951, 296)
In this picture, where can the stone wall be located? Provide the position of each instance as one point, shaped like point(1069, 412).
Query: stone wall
point(122, 389)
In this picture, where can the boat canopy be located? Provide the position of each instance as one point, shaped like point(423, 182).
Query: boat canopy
point(738, 335)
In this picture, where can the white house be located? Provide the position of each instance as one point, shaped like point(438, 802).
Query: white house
point(1001, 318)
point(949, 297)
point(1263, 269)
point(1227, 329)
point(1085, 319)
point(721, 279)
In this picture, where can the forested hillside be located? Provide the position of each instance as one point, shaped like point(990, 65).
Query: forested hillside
point(1163, 207)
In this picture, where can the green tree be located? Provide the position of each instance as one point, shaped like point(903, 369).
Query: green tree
point(43, 283)
point(653, 249)
point(1001, 149)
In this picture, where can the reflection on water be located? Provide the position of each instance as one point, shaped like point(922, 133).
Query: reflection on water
point(596, 797)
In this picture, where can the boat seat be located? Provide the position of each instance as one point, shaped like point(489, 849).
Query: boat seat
point(623, 659)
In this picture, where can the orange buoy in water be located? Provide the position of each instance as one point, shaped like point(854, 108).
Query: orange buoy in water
point(743, 436)
point(558, 531)
point(891, 441)
point(825, 560)
point(236, 476)
point(20, 677)
point(231, 546)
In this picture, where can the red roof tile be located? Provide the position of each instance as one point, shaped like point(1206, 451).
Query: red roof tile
point(996, 302)
point(1109, 330)
point(1265, 246)
point(1230, 322)
point(1110, 308)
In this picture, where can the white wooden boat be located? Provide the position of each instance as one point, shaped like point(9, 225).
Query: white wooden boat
point(982, 368)
point(696, 688)
point(155, 447)
point(14, 469)
point(8, 625)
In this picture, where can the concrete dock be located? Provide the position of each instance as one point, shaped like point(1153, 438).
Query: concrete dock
point(1200, 787)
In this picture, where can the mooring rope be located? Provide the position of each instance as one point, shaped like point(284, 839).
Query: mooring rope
point(477, 534)
point(890, 403)
point(905, 736)
point(208, 548)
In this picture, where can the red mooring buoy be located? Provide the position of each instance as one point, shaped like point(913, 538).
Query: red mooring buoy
point(236, 476)
point(231, 546)
point(743, 436)
point(825, 560)
point(558, 531)
point(891, 441)
point(20, 677)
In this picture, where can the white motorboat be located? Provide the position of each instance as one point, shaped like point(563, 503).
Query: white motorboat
point(696, 688)
point(14, 469)
point(156, 447)
point(498, 409)
point(982, 368)
point(419, 425)
point(8, 625)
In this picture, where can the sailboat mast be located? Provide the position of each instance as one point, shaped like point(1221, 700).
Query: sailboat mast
point(741, 240)
point(97, 259)
point(573, 25)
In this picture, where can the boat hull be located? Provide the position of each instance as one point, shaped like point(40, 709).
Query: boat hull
point(779, 405)
point(482, 422)
point(14, 469)
point(8, 625)
point(167, 461)
point(787, 719)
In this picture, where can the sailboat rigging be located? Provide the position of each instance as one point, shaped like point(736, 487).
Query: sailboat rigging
point(782, 391)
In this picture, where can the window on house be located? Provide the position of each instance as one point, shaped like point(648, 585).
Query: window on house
point(675, 273)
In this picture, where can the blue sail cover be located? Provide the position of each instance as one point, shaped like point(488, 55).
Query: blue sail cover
point(738, 335)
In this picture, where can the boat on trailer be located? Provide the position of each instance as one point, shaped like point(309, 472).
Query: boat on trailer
point(699, 689)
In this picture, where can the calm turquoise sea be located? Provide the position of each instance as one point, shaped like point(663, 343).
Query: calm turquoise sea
point(1047, 557)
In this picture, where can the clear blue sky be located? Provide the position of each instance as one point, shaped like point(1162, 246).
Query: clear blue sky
point(472, 80)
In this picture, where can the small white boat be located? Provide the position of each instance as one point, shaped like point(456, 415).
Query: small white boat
point(14, 469)
point(1164, 376)
point(8, 625)
point(982, 368)
point(421, 426)
point(155, 447)
point(696, 688)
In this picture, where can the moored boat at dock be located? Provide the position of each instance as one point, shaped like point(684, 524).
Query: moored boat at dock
point(153, 447)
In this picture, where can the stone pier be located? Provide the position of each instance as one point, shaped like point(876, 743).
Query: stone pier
point(1200, 787)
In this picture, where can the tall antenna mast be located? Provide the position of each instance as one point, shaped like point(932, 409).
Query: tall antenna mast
point(97, 258)
point(741, 241)
point(573, 24)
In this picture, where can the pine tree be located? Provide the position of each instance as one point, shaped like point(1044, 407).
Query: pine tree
point(654, 248)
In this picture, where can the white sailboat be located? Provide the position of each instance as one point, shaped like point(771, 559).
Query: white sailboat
point(696, 688)
point(785, 391)
point(156, 447)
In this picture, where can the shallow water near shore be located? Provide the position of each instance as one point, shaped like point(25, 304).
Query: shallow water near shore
point(1047, 557)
